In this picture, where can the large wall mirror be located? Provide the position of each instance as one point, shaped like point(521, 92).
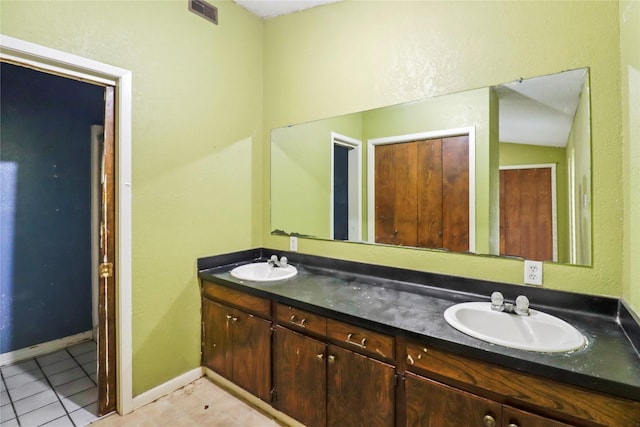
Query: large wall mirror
point(502, 170)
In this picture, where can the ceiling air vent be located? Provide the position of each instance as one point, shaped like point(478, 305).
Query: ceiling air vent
point(204, 9)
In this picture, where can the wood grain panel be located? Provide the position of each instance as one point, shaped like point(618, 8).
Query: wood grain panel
point(526, 209)
point(360, 390)
point(385, 194)
point(252, 354)
point(429, 170)
point(516, 417)
point(550, 398)
point(455, 193)
point(216, 338)
point(300, 375)
point(301, 320)
point(361, 339)
point(233, 297)
point(430, 404)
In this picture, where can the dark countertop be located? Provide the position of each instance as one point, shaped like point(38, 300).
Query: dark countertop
point(609, 363)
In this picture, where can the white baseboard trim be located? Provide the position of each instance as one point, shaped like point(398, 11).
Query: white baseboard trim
point(43, 348)
point(250, 399)
point(166, 388)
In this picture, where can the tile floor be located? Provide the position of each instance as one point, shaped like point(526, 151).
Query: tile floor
point(199, 404)
point(54, 390)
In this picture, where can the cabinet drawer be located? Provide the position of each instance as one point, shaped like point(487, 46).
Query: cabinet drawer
point(243, 300)
point(361, 339)
point(301, 320)
point(525, 389)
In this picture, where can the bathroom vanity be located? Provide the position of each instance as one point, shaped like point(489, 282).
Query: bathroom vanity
point(351, 344)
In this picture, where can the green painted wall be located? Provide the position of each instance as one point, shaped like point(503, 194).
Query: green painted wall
point(197, 149)
point(354, 56)
point(524, 154)
point(630, 77)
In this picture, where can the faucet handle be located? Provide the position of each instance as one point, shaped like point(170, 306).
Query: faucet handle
point(522, 305)
point(283, 261)
point(497, 301)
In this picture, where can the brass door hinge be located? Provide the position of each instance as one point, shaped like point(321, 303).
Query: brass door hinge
point(106, 269)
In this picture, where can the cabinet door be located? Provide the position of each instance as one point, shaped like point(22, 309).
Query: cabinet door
point(252, 353)
point(360, 390)
point(516, 418)
point(300, 377)
point(216, 338)
point(437, 405)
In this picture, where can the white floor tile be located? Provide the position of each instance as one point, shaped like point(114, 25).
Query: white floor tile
point(90, 368)
point(18, 368)
point(83, 347)
point(10, 423)
point(60, 366)
point(23, 378)
point(66, 376)
point(2, 386)
point(6, 413)
point(87, 357)
point(80, 400)
point(84, 416)
point(34, 402)
point(27, 390)
point(42, 415)
point(73, 387)
point(53, 357)
point(4, 397)
point(60, 422)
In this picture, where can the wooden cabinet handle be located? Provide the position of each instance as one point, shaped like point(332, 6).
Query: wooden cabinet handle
point(361, 344)
point(301, 323)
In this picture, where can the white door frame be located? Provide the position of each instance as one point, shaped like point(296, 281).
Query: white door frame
point(554, 206)
point(444, 133)
point(54, 61)
point(355, 183)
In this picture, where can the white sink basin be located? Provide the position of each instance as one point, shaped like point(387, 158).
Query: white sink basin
point(537, 332)
point(263, 272)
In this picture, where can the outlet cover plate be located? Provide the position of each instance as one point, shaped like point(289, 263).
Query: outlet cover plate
point(533, 272)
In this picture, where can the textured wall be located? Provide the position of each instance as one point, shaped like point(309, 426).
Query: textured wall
point(630, 71)
point(196, 149)
point(45, 205)
point(354, 55)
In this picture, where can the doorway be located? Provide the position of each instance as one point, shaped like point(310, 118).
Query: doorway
point(528, 212)
point(119, 97)
point(46, 134)
point(346, 188)
point(422, 188)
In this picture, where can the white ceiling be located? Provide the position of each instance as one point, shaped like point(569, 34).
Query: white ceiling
point(271, 8)
point(537, 111)
point(540, 110)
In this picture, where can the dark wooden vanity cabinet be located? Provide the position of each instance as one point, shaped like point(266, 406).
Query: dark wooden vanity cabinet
point(440, 384)
point(323, 384)
point(326, 372)
point(236, 343)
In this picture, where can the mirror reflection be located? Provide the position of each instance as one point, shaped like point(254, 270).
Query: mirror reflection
point(502, 170)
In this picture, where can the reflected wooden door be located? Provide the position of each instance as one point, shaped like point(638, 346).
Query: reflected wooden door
point(422, 193)
point(526, 222)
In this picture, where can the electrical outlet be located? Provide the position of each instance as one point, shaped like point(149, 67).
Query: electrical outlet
point(293, 243)
point(533, 272)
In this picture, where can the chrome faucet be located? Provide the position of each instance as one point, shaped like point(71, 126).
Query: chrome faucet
point(273, 261)
point(520, 307)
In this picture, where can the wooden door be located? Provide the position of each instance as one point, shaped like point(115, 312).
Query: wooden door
point(300, 376)
point(360, 390)
point(216, 338)
point(431, 404)
point(107, 254)
point(251, 338)
point(396, 194)
point(526, 223)
point(422, 193)
point(516, 417)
